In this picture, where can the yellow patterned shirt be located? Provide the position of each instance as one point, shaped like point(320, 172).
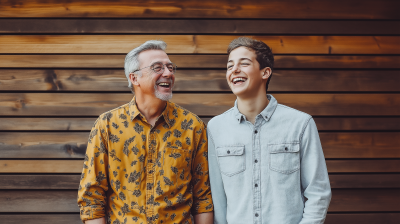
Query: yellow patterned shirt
point(136, 173)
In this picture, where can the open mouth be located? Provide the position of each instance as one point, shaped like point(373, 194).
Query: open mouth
point(164, 84)
point(238, 81)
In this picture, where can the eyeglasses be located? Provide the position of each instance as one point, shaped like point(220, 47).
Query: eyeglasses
point(158, 68)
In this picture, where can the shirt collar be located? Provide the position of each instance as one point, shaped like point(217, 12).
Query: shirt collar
point(167, 114)
point(266, 113)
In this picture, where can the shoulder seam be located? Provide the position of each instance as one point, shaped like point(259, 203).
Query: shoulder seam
point(304, 129)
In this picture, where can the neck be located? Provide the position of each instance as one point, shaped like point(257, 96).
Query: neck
point(252, 106)
point(150, 106)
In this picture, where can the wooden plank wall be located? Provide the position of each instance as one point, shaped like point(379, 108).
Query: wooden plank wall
point(61, 65)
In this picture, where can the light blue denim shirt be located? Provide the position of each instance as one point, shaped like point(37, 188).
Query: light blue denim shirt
point(271, 172)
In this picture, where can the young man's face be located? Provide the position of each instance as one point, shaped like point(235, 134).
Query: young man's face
point(243, 73)
point(152, 83)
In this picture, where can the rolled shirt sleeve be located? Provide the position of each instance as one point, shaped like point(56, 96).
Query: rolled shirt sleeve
point(94, 179)
point(314, 176)
point(202, 201)
point(217, 187)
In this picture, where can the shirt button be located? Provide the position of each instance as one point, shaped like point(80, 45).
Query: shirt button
point(285, 148)
point(256, 131)
point(256, 185)
point(256, 214)
point(256, 161)
point(228, 152)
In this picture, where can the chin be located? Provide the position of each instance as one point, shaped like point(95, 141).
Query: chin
point(163, 96)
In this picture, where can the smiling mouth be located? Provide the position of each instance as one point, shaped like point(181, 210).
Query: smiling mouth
point(238, 80)
point(164, 84)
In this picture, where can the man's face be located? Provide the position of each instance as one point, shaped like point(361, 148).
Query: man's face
point(243, 73)
point(152, 83)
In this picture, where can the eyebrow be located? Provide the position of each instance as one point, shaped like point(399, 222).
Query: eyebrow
point(241, 59)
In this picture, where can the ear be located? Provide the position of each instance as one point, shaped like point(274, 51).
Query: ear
point(133, 79)
point(266, 73)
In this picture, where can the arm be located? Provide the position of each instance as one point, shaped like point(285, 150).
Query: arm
point(204, 218)
point(96, 221)
point(217, 187)
point(202, 201)
point(314, 176)
point(94, 180)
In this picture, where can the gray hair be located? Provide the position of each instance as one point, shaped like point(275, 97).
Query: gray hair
point(132, 58)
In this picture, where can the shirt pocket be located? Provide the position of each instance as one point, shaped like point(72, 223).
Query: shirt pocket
point(284, 158)
point(231, 159)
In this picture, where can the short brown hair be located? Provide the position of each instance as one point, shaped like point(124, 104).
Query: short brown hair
point(263, 52)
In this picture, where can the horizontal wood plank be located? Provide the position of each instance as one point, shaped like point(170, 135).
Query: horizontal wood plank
point(40, 218)
point(371, 200)
point(288, 9)
point(365, 180)
point(94, 104)
point(367, 145)
point(75, 166)
point(196, 44)
point(71, 182)
point(44, 182)
point(365, 218)
point(199, 61)
point(198, 26)
point(85, 124)
point(200, 80)
point(343, 200)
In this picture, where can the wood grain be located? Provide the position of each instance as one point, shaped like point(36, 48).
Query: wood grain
point(343, 200)
point(199, 80)
point(199, 61)
point(363, 166)
point(198, 26)
point(288, 9)
point(71, 182)
point(365, 218)
point(361, 145)
point(28, 201)
point(64, 145)
point(365, 180)
point(75, 166)
point(346, 200)
point(85, 124)
point(196, 44)
point(44, 182)
point(94, 104)
point(40, 218)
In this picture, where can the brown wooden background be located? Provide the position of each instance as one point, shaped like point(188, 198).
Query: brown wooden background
point(61, 65)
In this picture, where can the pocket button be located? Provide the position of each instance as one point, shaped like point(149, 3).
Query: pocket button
point(228, 152)
point(285, 148)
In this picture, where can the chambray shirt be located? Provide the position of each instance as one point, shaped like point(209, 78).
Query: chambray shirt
point(271, 172)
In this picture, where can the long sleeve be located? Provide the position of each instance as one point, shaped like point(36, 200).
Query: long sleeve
point(217, 187)
point(202, 200)
point(94, 180)
point(314, 177)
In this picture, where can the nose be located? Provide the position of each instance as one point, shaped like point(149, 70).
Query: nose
point(236, 68)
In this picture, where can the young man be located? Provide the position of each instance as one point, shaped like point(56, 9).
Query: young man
point(265, 159)
point(146, 161)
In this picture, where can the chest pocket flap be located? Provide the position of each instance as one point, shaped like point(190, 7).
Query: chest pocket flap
point(231, 159)
point(230, 151)
point(284, 158)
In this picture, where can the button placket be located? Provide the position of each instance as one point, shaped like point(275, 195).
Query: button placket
point(256, 170)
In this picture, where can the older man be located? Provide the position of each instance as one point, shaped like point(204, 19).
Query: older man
point(146, 161)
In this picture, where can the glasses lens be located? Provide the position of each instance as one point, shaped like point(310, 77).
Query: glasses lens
point(171, 67)
point(157, 67)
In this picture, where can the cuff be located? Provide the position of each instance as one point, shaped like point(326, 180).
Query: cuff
point(203, 206)
point(92, 212)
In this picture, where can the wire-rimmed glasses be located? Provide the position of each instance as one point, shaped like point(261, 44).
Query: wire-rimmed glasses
point(158, 67)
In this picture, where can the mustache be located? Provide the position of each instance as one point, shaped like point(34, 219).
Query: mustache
point(164, 80)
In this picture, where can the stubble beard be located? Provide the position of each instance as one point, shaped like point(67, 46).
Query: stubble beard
point(162, 96)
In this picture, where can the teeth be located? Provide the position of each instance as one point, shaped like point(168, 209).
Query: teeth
point(163, 84)
point(238, 79)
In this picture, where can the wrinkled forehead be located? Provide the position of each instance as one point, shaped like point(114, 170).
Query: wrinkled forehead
point(149, 57)
point(241, 53)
